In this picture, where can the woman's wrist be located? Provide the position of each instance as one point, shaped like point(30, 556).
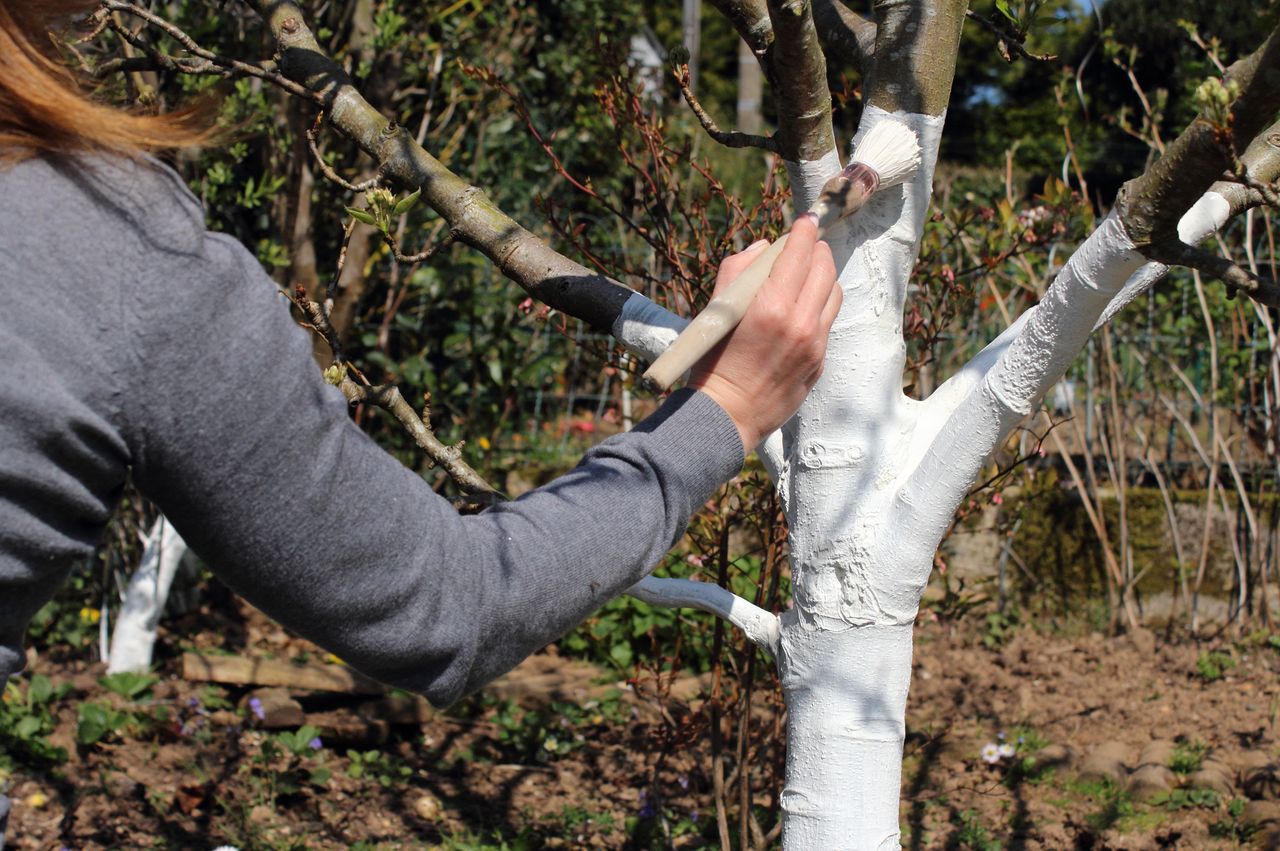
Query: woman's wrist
point(737, 409)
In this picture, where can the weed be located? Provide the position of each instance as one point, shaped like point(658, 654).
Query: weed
point(129, 685)
point(524, 841)
point(1213, 665)
point(1233, 827)
point(1187, 799)
point(1114, 801)
point(1000, 628)
point(1187, 756)
point(25, 719)
point(97, 721)
point(971, 833)
point(376, 764)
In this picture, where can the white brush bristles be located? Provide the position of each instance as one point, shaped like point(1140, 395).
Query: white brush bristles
point(892, 149)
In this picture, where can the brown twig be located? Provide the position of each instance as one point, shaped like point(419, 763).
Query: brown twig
point(217, 64)
point(1240, 174)
point(1237, 278)
point(426, 254)
point(389, 398)
point(327, 170)
point(319, 319)
point(728, 138)
point(449, 458)
point(1008, 43)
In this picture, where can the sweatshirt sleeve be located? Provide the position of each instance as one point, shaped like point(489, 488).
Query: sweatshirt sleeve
point(254, 459)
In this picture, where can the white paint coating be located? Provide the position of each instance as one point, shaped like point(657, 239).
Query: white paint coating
point(646, 329)
point(134, 638)
point(870, 480)
point(760, 627)
point(1205, 217)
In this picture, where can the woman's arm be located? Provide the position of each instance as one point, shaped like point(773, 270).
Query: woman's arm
point(257, 464)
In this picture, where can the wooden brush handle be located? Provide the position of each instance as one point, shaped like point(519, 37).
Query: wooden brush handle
point(842, 196)
point(721, 315)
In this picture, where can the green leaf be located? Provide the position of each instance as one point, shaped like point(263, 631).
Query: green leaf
point(40, 690)
point(128, 684)
point(621, 654)
point(27, 727)
point(1003, 6)
point(407, 204)
point(362, 216)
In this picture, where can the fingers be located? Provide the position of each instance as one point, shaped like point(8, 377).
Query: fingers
point(831, 309)
point(792, 267)
point(820, 281)
point(734, 265)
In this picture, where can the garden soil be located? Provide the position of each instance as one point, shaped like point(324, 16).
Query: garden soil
point(1091, 742)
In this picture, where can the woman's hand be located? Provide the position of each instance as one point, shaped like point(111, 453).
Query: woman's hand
point(763, 370)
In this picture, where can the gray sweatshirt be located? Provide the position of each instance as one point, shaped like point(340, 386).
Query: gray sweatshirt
point(136, 342)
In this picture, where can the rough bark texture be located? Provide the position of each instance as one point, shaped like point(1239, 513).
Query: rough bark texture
point(903, 77)
point(1152, 205)
point(797, 69)
point(846, 36)
point(750, 18)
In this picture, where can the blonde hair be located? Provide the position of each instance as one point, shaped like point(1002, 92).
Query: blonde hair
point(45, 108)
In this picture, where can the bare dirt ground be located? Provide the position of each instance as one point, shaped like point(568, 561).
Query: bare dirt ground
point(1109, 743)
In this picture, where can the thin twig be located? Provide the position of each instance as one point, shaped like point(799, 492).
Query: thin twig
point(327, 170)
point(426, 254)
point(730, 139)
point(1007, 42)
point(449, 458)
point(222, 64)
point(389, 398)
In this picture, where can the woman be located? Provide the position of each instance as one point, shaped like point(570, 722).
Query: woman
point(139, 344)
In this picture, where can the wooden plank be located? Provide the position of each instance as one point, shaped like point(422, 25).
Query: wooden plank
point(237, 670)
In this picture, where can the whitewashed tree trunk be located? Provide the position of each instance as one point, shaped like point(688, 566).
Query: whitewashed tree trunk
point(870, 480)
point(134, 639)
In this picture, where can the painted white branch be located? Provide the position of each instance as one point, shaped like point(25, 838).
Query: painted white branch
point(846, 693)
point(134, 638)
point(759, 626)
point(1204, 218)
point(1012, 388)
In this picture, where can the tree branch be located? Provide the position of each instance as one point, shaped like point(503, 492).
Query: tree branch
point(1008, 43)
point(327, 170)
point(217, 64)
point(762, 628)
point(528, 261)
point(915, 54)
point(732, 139)
point(750, 18)
point(797, 70)
point(1152, 204)
point(845, 34)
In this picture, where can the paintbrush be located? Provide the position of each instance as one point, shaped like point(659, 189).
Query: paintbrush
point(888, 155)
